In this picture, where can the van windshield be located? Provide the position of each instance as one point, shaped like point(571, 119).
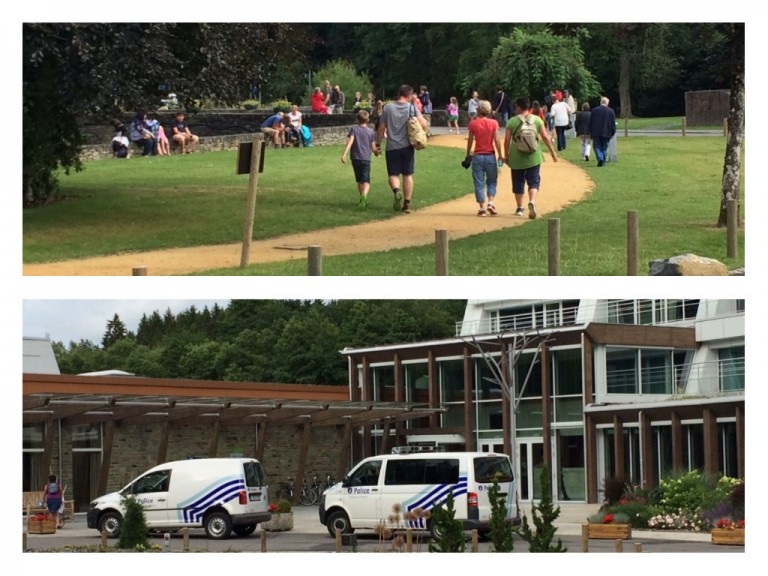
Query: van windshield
point(489, 467)
point(254, 474)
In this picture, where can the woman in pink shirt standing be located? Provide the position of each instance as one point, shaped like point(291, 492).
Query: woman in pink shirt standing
point(484, 134)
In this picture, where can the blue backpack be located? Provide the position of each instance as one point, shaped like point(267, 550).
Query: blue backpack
point(306, 136)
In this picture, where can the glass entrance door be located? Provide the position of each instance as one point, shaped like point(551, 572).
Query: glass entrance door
point(530, 461)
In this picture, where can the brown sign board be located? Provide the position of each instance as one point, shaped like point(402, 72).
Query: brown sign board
point(244, 154)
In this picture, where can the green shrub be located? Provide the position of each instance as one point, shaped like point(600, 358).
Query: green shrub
point(544, 516)
point(450, 531)
point(499, 530)
point(133, 533)
point(346, 76)
point(613, 489)
point(693, 491)
point(283, 506)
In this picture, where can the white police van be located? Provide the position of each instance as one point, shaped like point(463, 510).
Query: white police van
point(366, 495)
point(220, 495)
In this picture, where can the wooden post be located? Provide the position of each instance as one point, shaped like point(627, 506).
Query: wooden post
point(409, 540)
point(632, 243)
point(140, 271)
point(638, 546)
point(185, 538)
point(618, 546)
point(24, 537)
point(441, 252)
point(263, 540)
point(732, 219)
point(584, 538)
point(338, 540)
point(253, 181)
point(315, 261)
point(626, 126)
point(103, 540)
point(475, 540)
point(684, 125)
point(554, 246)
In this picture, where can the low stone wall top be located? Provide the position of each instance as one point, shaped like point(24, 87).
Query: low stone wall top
point(320, 137)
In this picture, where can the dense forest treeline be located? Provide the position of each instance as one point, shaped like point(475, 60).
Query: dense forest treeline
point(288, 341)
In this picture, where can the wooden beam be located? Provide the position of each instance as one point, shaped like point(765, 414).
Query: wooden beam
point(303, 451)
point(509, 434)
point(677, 441)
point(106, 456)
point(433, 390)
point(262, 440)
point(590, 445)
point(49, 432)
point(646, 449)
point(399, 395)
point(711, 464)
point(346, 444)
point(384, 446)
point(546, 410)
point(469, 403)
point(740, 433)
point(618, 447)
point(213, 446)
point(162, 445)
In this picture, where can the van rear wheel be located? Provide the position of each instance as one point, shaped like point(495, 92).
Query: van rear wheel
point(218, 525)
point(339, 520)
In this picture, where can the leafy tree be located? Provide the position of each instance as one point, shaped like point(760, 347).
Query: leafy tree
point(499, 530)
point(544, 515)
point(116, 331)
point(450, 531)
point(344, 74)
point(134, 530)
point(95, 70)
point(527, 64)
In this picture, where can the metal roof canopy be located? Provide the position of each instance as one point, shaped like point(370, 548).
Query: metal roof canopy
point(83, 409)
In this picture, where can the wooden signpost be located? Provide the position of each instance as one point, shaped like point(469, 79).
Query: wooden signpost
point(250, 160)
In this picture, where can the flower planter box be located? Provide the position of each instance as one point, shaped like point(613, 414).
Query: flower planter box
point(609, 531)
point(282, 522)
point(728, 536)
point(47, 526)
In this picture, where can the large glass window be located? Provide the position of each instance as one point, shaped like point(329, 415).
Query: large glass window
point(422, 471)
point(384, 383)
point(693, 446)
point(656, 374)
point(731, 368)
point(417, 382)
point(570, 464)
point(525, 385)
point(451, 380)
point(661, 371)
point(486, 384)
point(32, 456)
point(567, 386)
point(621, 371)
point(662, 452)
point(728, 449)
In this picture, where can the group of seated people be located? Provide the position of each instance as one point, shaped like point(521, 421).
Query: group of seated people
point(148, 135)
point(286, 129)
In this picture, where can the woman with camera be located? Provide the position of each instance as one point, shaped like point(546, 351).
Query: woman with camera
point(484, 134)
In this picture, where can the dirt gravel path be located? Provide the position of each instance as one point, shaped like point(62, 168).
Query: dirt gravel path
point(562, 183)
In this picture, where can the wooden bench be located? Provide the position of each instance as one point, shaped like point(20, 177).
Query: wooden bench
point(31, 505)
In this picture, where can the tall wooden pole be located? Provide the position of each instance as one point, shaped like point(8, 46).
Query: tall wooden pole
point(253, 181)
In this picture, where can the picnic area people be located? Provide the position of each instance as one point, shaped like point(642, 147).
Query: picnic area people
point(452, 111)
point(472, 106)
point(571, 101)
point(317, 101)
point(582, 130)
point(337, 100)
point(426, 107)
point(525, 164)
point(602, 127)
point(163, 148)
point(294, 126)
point(53, 499)
point(273, 128)
point(182, 135)
point(400, 153)
point(561, 114)
point(120, 144)
point(375, 116)
point(361, 140)
point(501, 106)
point(537, 109)
point(142, 136)
point(484, 134)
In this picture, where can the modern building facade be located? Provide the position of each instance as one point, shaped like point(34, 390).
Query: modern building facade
point(636, 389)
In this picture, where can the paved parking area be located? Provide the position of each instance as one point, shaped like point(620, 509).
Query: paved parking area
point(309, 535)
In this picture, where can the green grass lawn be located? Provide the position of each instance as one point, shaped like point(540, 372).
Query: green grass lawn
point(662, 123)
point(145, 203)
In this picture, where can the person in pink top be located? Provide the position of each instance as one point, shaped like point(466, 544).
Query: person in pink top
point(453, 115)
point(484, 134)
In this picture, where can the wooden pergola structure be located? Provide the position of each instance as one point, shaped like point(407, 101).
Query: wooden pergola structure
point(167, 403)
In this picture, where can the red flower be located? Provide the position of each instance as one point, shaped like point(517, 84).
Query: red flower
point(273, 507)
point(608, 519)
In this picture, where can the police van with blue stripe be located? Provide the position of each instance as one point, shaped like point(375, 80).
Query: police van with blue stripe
point(221, 495)
point(415, 482)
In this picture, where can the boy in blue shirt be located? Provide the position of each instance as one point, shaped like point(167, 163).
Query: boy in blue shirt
point(362, 141)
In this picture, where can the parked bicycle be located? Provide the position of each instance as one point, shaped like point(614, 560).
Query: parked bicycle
point(308, 495)
point(285, 490)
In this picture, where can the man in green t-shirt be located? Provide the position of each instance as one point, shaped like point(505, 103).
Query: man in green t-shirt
point(525, 165)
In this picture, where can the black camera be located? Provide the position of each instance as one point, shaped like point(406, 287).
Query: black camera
point(467, 162)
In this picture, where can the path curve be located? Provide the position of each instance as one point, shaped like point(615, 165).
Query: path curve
point(563, 183)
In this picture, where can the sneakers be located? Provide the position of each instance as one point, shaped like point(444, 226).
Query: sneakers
point(519, 211)
point(363, 203)
point(482, 212)
point(406, 207)
point(398, 201)
point(492, 210)
point(531, 210)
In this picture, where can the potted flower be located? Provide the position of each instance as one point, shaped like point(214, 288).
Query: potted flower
point(281, 106)
point(613, 526)
point(729, 532)
point(282, 517)
point(41, 524)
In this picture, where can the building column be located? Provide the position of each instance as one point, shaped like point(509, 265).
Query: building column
point(345, 449)
point(366, 396)
point(590, 446)
point(434, 389)
point(162, 445)
point(646, 451)
point(469, 404)
point(546, 411)
point(711, 464)
point(106, 456)
point(45, 462)
point(618, 447)
point(213, 446)
point(508, 433)
point(306, 428)
point(399, 395)
point(677, 441)
point(740, 457)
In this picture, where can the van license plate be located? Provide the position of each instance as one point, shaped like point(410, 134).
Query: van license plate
point(255, 497)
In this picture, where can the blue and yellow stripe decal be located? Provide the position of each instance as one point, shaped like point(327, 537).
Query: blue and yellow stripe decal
point(432, 496)
point(191, 511)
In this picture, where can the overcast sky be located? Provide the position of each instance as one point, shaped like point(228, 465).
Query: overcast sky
point(75, 320)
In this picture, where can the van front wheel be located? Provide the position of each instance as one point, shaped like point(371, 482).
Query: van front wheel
point(110, 524)
point(339, 520)
point(218, 525)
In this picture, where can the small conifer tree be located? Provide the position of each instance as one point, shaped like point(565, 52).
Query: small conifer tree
point(544, 516)
point(134, 530)
point(499, 530)
point(450, 532)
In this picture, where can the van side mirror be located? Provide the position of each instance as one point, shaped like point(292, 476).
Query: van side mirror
point(345, 481)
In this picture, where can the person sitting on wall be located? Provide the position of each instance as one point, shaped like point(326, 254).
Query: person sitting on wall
point(274, 128)
point(120, 144)
point(182, 135)
point(317, 102)
point(142, 136)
